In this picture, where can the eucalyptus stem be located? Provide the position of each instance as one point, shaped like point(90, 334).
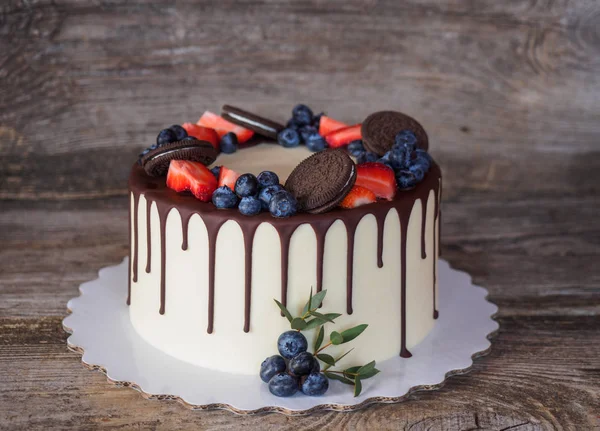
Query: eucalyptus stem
point(326, 345)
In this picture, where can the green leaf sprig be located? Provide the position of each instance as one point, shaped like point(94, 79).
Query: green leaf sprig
point(312, 319)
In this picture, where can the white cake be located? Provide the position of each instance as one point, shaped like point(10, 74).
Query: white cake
point(234, 325)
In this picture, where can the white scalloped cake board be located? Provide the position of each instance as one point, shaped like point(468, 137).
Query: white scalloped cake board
point(101, 332)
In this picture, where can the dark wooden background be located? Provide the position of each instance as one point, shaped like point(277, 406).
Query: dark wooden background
point(509, 92)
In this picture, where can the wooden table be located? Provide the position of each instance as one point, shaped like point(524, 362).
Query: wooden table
point(510, 96)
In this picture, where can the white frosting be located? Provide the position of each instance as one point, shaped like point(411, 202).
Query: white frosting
point(181, 331)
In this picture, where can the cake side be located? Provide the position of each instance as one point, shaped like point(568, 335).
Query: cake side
point(202, 280)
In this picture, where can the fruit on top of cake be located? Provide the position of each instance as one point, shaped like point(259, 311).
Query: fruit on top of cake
point(283, 385)
point(272, 365)
point(267, 178)
point(246, 185)
point(378, 178)
point(316, 121)
point(165, 136)
point(366, 157)
point(303, 363)
point(266, 194)
point(250, 205)
point(227, 177)
point(291, 343)
point(179, 132)
point(302, 115)
point(229, 143)
point(216, 170)
point(202, 133)
point(190, 176)
point(315, 142)
point(357, 197)
point(356, 148)
point(328, 125)
point(288, 138)
point(314, 384)
point(410, 164)
point(222, 126)
point(223, 197)
point(344, 136)
point(405, 137)
point(283, 204)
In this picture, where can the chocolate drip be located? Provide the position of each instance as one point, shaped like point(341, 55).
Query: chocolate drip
point(423, 223)
point(212, 228)
point(285, 235)
point(162, 216)
point(248, 232)
point(380, 219)
point(185, 222)
point(320, 234)
point(155, 190)
point(404, 218)
point(436, 220)
point(351, 225)
point(148, 236)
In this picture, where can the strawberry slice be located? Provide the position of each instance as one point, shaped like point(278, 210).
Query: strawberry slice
point(222, 126)
point(378, 178)
point(344, 136)
point(358, 196)
point(202, 133)
point(184, 175)
point(228, 177)
point(328, 125)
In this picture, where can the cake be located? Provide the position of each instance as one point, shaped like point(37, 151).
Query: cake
point(203, 279)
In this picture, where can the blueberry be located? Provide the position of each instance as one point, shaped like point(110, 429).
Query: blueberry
point(303, 363)
point(386, 162)
point(397, 158)
point(367, 157)
point(229, 143)
point(291, 343)
point(272, 365)
point(250, 205)
point(188, 138)
point(302, 114)
point(292, 124)
point(288, 138)
point(405, 179)
point(165, 137)
point(283, 385)
point(406, 138)
point(246, 185)
point(316, 143)
point(179, 131)
point(283, 204)
point(316, 120)
point(356, 148)
point(267, 193)
point(307, 131)
point(224, 197)
point(423, 158)
point(314, 384)
point(418, 172)
point(216, 171)
point(267, 178)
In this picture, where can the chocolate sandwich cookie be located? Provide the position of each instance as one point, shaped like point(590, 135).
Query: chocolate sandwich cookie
point(320, 182)
point(380, 129)
point(156, 162)
point(260, 125)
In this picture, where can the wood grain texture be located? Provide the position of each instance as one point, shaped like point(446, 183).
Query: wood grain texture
point(509, 93)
